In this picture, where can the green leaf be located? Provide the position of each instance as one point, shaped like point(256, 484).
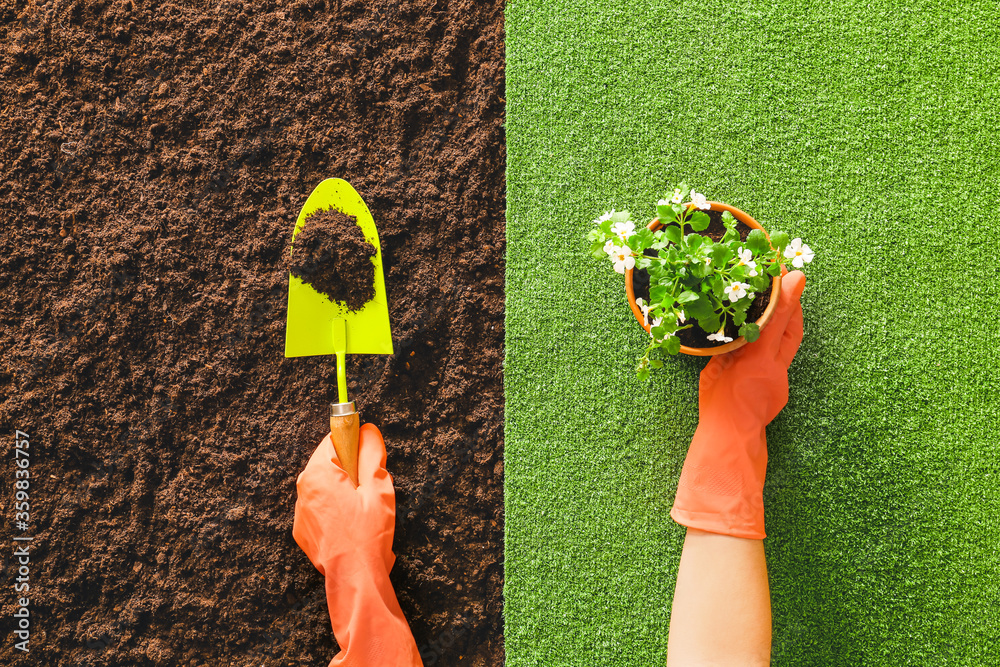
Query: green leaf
point(620, 216)
point(656, 363)
point(673, 233)
point(757, 242)
point(665, 213)
point(738, 272)
point(642, 373)
point(657, 293)
point(728, 219)
point(700, 308)
point(689, 281)
point(750, 331)
point(710, 324)
point(759, 283)
point(740, 317)
point(669, 326)
point(779, 240)
point(721, 254)
point(673, 345)
point(687, 296)
point(774, 269)
point(700, 221)
point(730, 235)
point(694, 241)
point(715, 283)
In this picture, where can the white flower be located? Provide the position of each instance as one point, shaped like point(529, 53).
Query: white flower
point(607, 216)
point(698, 199)
point(721, 336)
point(623, 229)
point(663, 202)
point(610, 247)
point(736, 291)
point(676, 199)
point(681, 318)
point(799, 254)
point(746, 259)
point(623, 258)
point(644, 307)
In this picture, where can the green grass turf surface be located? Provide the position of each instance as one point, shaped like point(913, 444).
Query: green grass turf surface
point(872, 131)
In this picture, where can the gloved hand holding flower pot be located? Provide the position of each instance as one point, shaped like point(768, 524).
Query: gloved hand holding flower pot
point(722, 482)
point(346, 532)
point(705, 279)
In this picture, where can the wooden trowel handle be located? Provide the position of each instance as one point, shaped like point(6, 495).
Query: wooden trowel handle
point(344, 435)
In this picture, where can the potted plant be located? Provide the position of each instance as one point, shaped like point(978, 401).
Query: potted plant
point(702, 278)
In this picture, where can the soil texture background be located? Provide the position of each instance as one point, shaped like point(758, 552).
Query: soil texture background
point(153, 160)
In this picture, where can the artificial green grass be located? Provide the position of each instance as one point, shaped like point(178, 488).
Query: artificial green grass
point(869, 129)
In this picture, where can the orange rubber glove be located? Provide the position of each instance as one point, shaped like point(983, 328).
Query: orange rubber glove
point(346, 532)
point(721, 488)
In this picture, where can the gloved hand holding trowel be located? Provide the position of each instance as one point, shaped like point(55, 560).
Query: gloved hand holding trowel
point(345, 511)
point(347, 533)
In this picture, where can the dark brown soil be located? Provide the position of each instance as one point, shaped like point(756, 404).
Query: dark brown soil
point(154, 160)
point(331, 254)
point(695, 336)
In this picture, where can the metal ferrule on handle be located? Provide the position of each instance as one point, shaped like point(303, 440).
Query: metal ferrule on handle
point(342, 409)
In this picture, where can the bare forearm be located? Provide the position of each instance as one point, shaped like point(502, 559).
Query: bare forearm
point(721, 613)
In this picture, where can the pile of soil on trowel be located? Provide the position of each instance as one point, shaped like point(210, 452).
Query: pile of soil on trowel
point(154, 159)
point(332, 254)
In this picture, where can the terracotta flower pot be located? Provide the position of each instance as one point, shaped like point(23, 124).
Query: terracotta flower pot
point(761, 321)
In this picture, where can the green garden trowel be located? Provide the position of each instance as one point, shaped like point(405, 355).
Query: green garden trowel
point(316, 325)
